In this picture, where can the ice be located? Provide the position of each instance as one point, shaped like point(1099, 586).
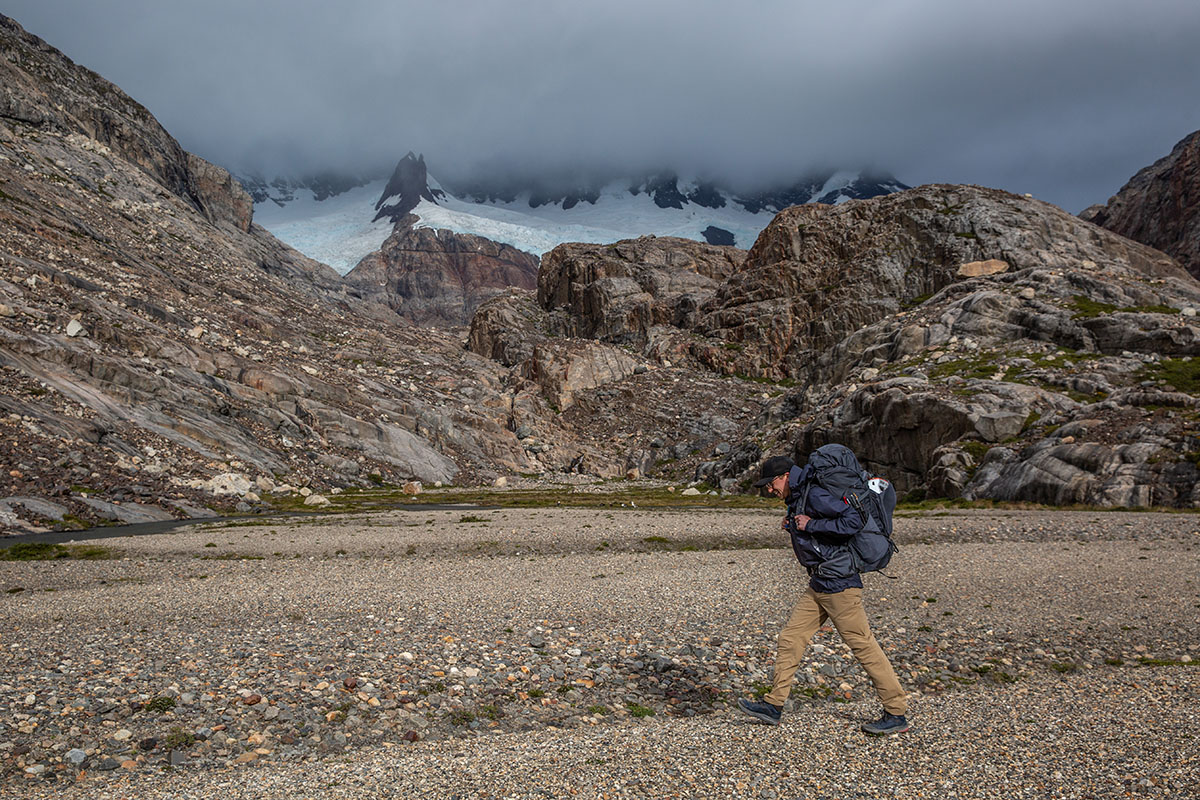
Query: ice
point(339, 231)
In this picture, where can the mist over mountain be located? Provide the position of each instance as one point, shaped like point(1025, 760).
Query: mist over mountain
point(340, 218)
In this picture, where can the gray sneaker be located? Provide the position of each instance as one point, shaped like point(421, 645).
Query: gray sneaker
point(888, 723)
point(765, 712)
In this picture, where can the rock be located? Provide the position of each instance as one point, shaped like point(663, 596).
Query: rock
point(691, 491)
point(75, 757)
point(148, 743)
point(997, 426)
point(177, 758)
point(35, 506)
point(436, 276)
point(618, 292)
point(7, 311)
point(500, 482)
point(508, 327)
point(412, 488)
point(912, 249)
point(108, 764)
point(122, 735)
point(75, 328)
point(1160, 205)
point(563, 369)
point(316, 500)
point(974, 269)
point(226, 484)
point(222, 198)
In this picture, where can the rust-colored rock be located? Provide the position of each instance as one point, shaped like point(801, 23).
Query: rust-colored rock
point(1160, 205)
point(222, 198)
point(433, 276)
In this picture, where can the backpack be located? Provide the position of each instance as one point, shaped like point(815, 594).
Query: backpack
point(836, 469)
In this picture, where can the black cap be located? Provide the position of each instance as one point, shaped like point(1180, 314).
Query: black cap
point(772, 468)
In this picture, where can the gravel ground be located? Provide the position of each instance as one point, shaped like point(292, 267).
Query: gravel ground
point(565, 652)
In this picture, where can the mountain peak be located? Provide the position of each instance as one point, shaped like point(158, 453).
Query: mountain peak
point(408, 185)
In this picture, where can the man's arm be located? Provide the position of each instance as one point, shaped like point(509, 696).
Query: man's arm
point(835, 517)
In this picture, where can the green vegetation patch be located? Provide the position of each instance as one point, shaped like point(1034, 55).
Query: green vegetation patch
point(158, 705)
point(1087, 308)
point(981, 366)
point(1183, 375)
point(636, 710)
point(44, 551)
point(1166, 662)
point(631, 496)
point(178, 738)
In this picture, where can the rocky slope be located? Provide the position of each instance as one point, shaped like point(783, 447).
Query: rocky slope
point(1160, 206)
point(964, 340)
point(161, 355)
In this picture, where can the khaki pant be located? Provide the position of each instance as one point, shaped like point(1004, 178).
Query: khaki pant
point(846, 610)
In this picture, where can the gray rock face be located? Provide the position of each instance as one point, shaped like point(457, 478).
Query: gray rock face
point(968, 390)
point(1089, 473)
point(41, 89)
point(618, 292)
point(819, 273)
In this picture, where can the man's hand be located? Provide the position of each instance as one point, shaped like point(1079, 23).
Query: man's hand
point(800, 521)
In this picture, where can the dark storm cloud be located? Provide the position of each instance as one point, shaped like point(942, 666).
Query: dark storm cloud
point(1065, 99)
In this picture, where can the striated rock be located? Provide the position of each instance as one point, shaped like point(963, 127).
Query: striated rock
point(432, 276)
point(1092, 473)
point(563, 369)
point(1160, 205)
point(618, 292)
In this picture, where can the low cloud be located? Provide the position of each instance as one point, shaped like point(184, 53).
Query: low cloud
point(1064, 100)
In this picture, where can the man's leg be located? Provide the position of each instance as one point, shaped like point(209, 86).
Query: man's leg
point(848, 615)
point(806, 618)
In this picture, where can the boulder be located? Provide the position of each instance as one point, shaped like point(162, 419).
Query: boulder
point(507, 327)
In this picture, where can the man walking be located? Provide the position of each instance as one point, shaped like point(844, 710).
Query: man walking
point(821, 526)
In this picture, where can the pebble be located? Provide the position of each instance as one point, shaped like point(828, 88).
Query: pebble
point(458, 644)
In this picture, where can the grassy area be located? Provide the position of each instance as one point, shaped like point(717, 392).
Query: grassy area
point(1183, 375)
point(1087, 308)
point(44, 551)
point(631, 496)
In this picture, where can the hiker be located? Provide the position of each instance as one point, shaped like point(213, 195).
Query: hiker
point(821, 525)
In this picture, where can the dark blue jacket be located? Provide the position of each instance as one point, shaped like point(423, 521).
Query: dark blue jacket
point(823, 547)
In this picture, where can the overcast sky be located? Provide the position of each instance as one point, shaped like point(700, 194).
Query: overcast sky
point(1064, 99)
